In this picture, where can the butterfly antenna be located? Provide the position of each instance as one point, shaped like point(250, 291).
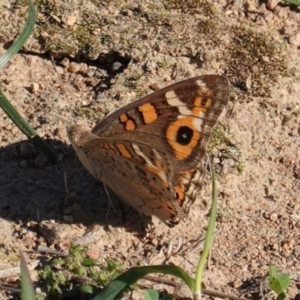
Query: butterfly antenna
point(111, 206)
point(66, 187)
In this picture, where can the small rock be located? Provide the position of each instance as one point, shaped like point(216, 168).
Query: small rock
point(8, 127)
point(34, 87)
point(116, 66)
point(154, 86)
point(59, 132)
point(216, 160)
point(292, 292)
point(227, 164)
point(93, 252)
point(24, 164)
point(59, 70)
point(271, 4)
point(154, 242)
point(28, 150)
point(69, 20)
point(91, 73)
point(273, 217)
point(41, 160)
point(74, 67)
point(65, 62)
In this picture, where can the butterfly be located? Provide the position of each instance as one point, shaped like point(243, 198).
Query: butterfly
point(152, 152)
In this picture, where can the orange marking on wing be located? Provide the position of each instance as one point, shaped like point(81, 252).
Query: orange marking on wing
point(107, 147)
point(198, 108)
point(123, 118)
point(153, 170)
point(202, 94)
point(149, 113)
point(130, 125)
point(159, 170)
point(184, 176)
point(180, 194)
point(123, 151)
point(182, 151)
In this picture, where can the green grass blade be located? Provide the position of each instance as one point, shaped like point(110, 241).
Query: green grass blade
point(15, 116)
point(27, 292)
point(44, 147)
point(292, 2)
point(6, 105)
point(17, 45)
point(25, 127)
point(208, 239)
point(118, 285)
point(23, 37)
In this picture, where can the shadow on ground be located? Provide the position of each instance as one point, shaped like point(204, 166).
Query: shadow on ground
point(63, 192)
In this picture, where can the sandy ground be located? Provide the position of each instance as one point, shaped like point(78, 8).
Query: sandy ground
point(107, 55)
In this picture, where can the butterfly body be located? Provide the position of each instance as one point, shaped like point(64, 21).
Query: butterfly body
point(152, 152)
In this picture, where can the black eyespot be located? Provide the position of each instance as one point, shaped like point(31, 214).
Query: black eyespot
point(184, 135)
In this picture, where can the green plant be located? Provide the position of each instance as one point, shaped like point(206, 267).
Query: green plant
point(278, 282)
point(60, 272)
point(292, 2)
point(27, 292)
point(7, 107)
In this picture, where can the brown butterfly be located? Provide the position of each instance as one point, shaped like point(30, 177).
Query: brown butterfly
point(152, 152)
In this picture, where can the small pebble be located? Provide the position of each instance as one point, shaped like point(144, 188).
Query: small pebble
point(69, 20)
point(41, 160)
point(116, 66)
point(24, 164)
point(74, 67)
point(65, 62)
point(271, 4)
point(28, 150)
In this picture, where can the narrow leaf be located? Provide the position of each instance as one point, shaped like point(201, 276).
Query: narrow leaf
point(27, 292)
point(117, 286)
point(22, 38)
point(292, 2)
point(208, 239)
